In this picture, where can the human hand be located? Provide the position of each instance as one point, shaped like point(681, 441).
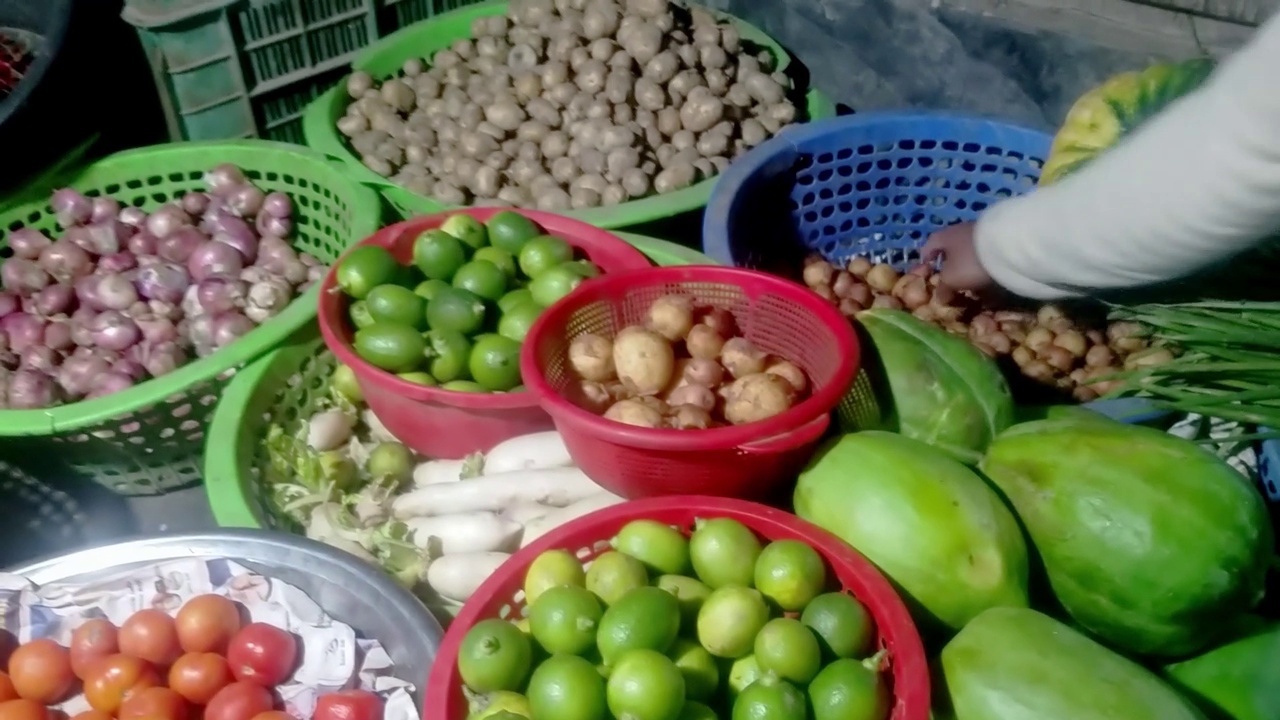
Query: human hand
point(961, 268)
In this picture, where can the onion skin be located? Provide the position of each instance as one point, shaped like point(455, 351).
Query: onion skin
point(136, 217)
point(229, 327)
point(104, 208)
point(8, 303)
point(115, 292)
point(57, 335)
point(31, 390)
point(277, 204)
point(214, 258)
point(23, 330)
point(110, 383)
point(224, 179)
point(221, 293)
point(27, 243)
point(65, 261)
point(167, 282)
point(78, 371)
point(40, 358)
point(71, 207)
point(195, 203)
point(179, 246)
point(55, 300)
point(113, 330)
point(23, 277)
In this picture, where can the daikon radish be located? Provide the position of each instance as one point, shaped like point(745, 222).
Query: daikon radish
point(457, 577)
point(464, 533)
point(432, 472)
point(524, 513)
point(491, 493)
point(537, 451)
point(560, 516)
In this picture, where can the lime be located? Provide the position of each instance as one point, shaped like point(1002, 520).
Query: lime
point(495, 363)
point(492, 705)
point(770, 698)
point(516, 297)
point(552, 568)
point(396, 304)
point(505, 261)
point(787, 648)
point(427, 289)
point(542, 253)
point(566, 687)
point(585, 268)
point(463, 386)
point(448, 352)
point(365, 268)
point(563, 620)
point(790, 573)
point(483, 278)
point(419, 378)
point(724, 552)
point(390, 346)
point(663, 549)
point(843, 625)
point(494, 655)
point(690, 593)
point(554, 284)
point(646, 618)
point(850, 690)
point(694, 710)
point(467, 229)
point(645, 685)
point(741, 674)
point(613, 574)
point(700, 670)
point(438, 254)
point(359, 313)
point(729, 620)
point(515, 323)
point(455, 309)
point(343, 381)
point(509, 230)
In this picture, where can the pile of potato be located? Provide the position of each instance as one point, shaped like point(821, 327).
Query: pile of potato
point(569, 104)
point(686, 368)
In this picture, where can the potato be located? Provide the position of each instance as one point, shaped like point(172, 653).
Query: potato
point(703, 342)
point(703, 371)
point(741, 358)
point(790, 372)
point(689, 417)
point(756, 397)
point(691, 394)
point(643, 360)
point(671, 316)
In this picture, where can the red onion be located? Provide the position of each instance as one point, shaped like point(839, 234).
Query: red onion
point(54, 300)
point(315, 274)
point(163, 281)
point(166, 219)
point(277, 204)
point(114, 331)
point(134, 216)
point(23, 330)
point(155, 329)
point(274, 253)
point(272, 226)
point(200, 331)
point(228, 327)
point(40, 358)
point(57, 335)
point(167, 310)
point(8, 303)
point(214, 258)
point(310, 260)
point(107, 356)
point(79, 236)
point(142, 243)
point(221, 293)
point(87, 292)
point(266, 299)
point(66, 261)
point(224, 223)
point(149, 260)
point(161, 358)
point(224, 179)
point(70, 207)
point(104, 208)
point(78, 372)
point(195, 203)
point(31, 390)
point(109, 237)
point(27, 243)
point(129, 368)
point(246, 245)
point(245, 200)
point(138, 309)
point(115, 292)
point(23, 277)
point(117, 263)
point(80, 334)
point(179, 246)
point(109, 383)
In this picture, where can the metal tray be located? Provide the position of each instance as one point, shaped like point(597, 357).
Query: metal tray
point(346, 587)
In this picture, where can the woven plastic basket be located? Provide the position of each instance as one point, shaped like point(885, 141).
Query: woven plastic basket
point(147, 440)
point(38, 519)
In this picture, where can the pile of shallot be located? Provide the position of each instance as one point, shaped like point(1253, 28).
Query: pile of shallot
point(124, 295)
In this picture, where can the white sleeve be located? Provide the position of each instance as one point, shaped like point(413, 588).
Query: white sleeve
point(1192, 187)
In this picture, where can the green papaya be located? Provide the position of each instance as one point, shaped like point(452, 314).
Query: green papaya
point(1236, 681)
point(1017, 664)
point(1148, 541)
point(933, 386)
point(931, 524)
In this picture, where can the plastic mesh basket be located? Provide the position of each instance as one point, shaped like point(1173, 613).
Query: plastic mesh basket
point(37, 518)
point(147, 439)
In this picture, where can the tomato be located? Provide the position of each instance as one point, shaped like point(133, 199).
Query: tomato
point(199, 676)
point(263, 654)
point(152, 636)
point(238, 701)
point(115, 678)
point(207, 623)
point(41, 670)
point(23, 709)
point(348, 705)
point(153, 703)
point(6, 688)
point(274, 715)
point(91, 715)
point(92, 641)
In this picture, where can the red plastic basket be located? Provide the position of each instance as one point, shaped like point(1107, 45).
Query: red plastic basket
point(501, 595)
point(444, 423)
point(749, 461)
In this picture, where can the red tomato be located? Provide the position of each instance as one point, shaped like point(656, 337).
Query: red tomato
point(41, 670)
point(6, 688)
point(274, 715)
point(153, 703)
point(91, 715)
point(23, 709)
point(238, 701)
point(262, 654)
point(92, 641)
point(206, 623)
point(150, 635)
point(199, 676)
point(348, 705)
point(114, 679)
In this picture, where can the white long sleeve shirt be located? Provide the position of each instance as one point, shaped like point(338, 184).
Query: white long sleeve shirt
point(1194, 186)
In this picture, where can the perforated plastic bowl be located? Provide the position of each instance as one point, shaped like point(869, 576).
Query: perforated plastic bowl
point(776, 315)
point(501, 595)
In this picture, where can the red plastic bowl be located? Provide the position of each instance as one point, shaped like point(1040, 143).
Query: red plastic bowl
point(501, 596)
point(445, 423)
point(746, 461)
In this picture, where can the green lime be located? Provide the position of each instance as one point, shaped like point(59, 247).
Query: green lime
point(365, 268)
point(690, 593)
point(447, 352)
point(585, 268)
point(438, 254)
point(790, 573)
point(563, 619)
point(455, 309)
point(542, 253)
point(515, 323)
point(390, 346)
point(663, 549)
point(787, 648)
point(739, 676)
point(843, 625)
point(850, 690)
point(427, 289)
point(613, 575)
point(419, 378)
point(343, 381)
point(770, 698)
point(724, 552)
point(646, 618)
point(494, 655)
point(463, 386)
point(509, 230)
point(645, 685)
point(491, 706)
point(699, 667)
point(495, 363)
point(467, 229)
point(729, 620)
point(396, 304)
point(505, 261)
point(552, 568)
point(516, 297)
point(554, 284)
point(359, 313)
point(694, 710)
point(566, 687)
point(483, 278)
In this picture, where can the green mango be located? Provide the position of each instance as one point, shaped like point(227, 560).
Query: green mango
point(1236, 681)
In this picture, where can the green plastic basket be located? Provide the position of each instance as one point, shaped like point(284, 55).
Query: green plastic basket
point(284, 386)
point(388, 55)
point(147, 440)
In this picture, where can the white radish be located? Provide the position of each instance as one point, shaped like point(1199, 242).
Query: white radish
point(329, 430)
point(525, 513)
point(457, 577)
point(377, 431)
point(493, 493)
point(561, 516)
point(433, 472)
point(464, 532)
point(537, 451)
